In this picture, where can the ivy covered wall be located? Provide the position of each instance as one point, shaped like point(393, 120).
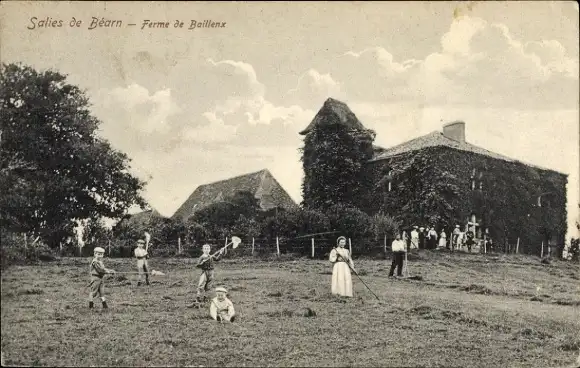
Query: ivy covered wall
point(442, 186)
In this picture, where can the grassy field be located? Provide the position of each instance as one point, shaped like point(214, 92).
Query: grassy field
point(467, 311)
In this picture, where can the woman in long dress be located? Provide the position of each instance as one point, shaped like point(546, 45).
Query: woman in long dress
point(442, 239)
point(341, 277)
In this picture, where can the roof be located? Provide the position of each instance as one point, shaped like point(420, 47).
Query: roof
point(334, 112)
point(438, 139)
point(261, 183)
point(142, 219)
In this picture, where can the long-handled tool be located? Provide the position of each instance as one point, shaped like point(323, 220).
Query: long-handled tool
point(357, 275)
point(234, 243)
point(406, 266)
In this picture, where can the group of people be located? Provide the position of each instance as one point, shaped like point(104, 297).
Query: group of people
point(428, 238)
point(343, 265)
point(221, 308)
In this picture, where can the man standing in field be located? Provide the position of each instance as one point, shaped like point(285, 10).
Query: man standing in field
point(97, 272)
point(398, 248)
point(142, 264)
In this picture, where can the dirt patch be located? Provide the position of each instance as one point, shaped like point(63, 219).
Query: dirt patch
point(477, 289)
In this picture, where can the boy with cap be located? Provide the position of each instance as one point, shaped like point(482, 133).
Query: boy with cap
point(142, 265)
point(221, 308)
point(97, 272)
point(205, 262)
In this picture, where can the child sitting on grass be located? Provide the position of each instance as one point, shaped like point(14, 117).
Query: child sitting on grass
point(221, 308)
point(97, 272)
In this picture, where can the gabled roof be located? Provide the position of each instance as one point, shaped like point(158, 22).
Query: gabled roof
point(438, 139)
point(142, 219)
point(334, 112)
point(261, 183)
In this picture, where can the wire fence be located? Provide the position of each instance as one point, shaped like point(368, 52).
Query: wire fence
point(315, 247)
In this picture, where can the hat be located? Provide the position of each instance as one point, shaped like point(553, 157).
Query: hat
point(340, 238)
point(141, 241)
point(415, 227)
point(456, 225)
point(98, 250)
point(221, 289)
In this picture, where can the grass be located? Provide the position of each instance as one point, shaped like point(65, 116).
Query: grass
point(466, 311)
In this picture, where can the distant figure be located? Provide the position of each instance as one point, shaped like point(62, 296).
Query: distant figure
point(432, 238)
point(398, 248)
point(414, 238)
point(341, 277)
point(455, 238)
point(422, 238)
point(470, 242)
point(221, 308)
point(97, 272)
point(142, 264)
point(443, 240)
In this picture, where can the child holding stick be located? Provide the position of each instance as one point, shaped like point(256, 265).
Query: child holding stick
point(97, 272)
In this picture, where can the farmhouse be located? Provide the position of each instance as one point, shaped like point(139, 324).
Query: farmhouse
point(262, 184)
point(439, 179)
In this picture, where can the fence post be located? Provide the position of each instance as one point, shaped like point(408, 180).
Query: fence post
point(226, 249)
point(542, 251)
point(252, 246)
point(277, 246)
point(349, 247)
point(385, 245)
point(179, 245)
point(518, 246)
point(312, 242)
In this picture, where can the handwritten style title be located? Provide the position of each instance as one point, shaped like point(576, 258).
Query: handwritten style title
point(95, 22)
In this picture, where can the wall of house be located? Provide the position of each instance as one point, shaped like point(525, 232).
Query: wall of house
point(441, 186)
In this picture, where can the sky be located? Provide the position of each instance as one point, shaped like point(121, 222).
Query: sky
point(193, 106)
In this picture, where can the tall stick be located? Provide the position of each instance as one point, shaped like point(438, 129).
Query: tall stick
point(312, 248)
point(542, 251)
point(349, 246)
point(252, 246)
point(277, 246)
point(226, 250)
point(518, 246)
point(385, 245)
point(109, 247)
point(179, 245)
point(25, 242)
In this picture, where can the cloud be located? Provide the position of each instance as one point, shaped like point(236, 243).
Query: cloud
point(244, 115)
point(478, 64)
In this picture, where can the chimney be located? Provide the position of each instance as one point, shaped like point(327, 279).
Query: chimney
point(455, 131)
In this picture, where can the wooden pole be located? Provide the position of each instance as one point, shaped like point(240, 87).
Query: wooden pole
point(179, 245)
point(484, 244)
point(312, 247)
point(252, 246)
point(25, 242)
point(349, 247)
point(109, 247)
point(518, 246)
point(226, 249)
point(277, 246)
point(385, 245)
point(542, 251)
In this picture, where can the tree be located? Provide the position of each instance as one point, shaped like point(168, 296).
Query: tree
point(54, 168)
point(334, 158)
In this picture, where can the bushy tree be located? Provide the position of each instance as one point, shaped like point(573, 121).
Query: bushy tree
point(54, 168)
